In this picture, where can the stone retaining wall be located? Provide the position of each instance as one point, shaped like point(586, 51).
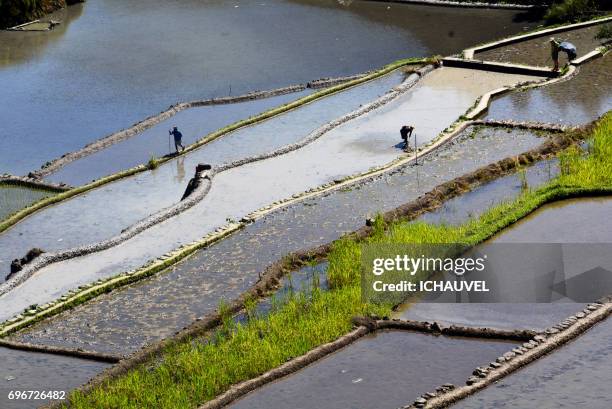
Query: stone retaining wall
point(541, 345)
point(33, 183)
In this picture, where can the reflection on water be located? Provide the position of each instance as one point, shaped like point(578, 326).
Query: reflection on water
point(22, 47)
point(123, 61)
point(573, 102)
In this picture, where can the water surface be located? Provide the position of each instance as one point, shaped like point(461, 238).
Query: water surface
point(147, 311)
point(575, 376)
point(111, 63)
point(26, 371)
point(194, 124)
point(572, 222)
point(573, 102)
point(387, 369)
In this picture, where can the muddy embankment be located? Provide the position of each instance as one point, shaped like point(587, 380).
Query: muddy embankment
point(15, 12)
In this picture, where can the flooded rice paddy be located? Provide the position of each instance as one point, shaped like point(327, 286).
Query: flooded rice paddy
point(14, 198)
point(353, 147)
point(155, 308)
point(571, 222)
point(25, 371)
point(82, 80)
point(384, 370)
point(472, 204)
point(575, 376)
point(194, 123)
point(573, 102)
point(537, 51)
point(105, 211)
point(567, 221)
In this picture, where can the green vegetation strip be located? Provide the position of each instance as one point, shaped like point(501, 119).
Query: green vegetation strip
point(15, 218)
point(191, 372)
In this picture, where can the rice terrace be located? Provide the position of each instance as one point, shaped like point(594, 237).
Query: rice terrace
point(306, 204)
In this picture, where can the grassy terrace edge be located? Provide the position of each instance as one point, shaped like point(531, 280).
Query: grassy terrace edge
point(22, 214)
point(189, 373)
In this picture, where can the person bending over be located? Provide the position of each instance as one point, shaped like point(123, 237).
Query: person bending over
point(566, 47)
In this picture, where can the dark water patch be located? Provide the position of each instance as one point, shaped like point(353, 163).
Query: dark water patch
point(567, 221)
point(70, 89)
point(383, 370)
point(156, 308)
point(33, 371)
point(577, 101)
point(537, 51)
point(15, 198)
point(575, 376)
point(194, 123)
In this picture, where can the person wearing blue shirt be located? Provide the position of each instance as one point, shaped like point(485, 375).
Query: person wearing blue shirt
point(556, 46)
point(178, 137)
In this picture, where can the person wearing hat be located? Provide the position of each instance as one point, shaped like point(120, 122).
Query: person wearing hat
point(178, 137)
point(556, 46)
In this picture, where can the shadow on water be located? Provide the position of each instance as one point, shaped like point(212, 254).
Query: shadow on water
point(573, 102)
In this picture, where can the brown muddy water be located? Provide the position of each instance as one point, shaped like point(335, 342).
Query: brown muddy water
point(153, 309)
point(571, 222)
point(83, 80)
point(387, 369)
point(575, 376)
point(537, 51)
point(573, 102)
point(14, 198)
point(27, 371)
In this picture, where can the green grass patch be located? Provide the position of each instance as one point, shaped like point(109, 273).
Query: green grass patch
point(190, 373)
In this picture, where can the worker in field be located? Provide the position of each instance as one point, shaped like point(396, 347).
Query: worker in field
point(406, 133)
point(566, 47)
point(178, 138)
